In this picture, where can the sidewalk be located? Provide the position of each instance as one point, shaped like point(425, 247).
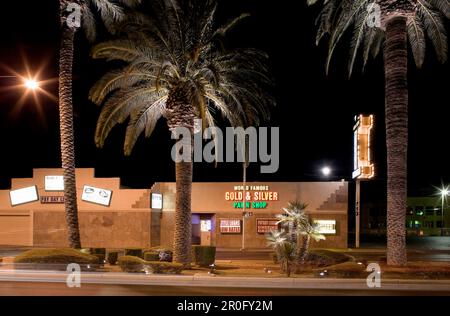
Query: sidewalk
point(203, 280)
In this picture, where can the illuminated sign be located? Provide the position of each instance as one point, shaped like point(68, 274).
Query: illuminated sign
point(157, 201)
point(326, 227)
point(363, 166)
point(256, 196)
point(52, 199)
point(266, 225)
point(96, 195)
point(255, 205)
point(24, 195)
point(54, 183)
point(230, 226)
point(251, 196)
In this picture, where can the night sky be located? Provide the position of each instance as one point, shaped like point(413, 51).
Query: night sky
point(314, 112)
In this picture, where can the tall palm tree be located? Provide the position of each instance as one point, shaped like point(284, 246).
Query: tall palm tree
point(399, 21)
point(176, 67)
point(110, 13)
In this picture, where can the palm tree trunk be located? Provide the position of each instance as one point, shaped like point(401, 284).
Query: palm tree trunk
point(305, 248)
point(67, 133)
point(395, 54)
point(179, 113)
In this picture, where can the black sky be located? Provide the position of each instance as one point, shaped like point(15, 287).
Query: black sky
point(314, 112)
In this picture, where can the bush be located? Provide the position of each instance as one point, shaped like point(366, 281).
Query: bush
point(112, 257)
point(151, 256)
point(346, 270)
point(164, 267)
point(101, 257)
point(134, 252)
point(323, 258)
point(204, 255)
point(54, 258)
point(97, 251)
point(131, 264)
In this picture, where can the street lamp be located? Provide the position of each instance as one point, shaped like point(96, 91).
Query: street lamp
point(444, 192)
point(31, 84)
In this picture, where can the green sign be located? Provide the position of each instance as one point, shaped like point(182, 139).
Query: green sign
point(248, 205)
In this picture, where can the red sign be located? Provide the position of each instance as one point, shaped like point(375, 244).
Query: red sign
point(265, 225)
point(230, 226)
point(59, 199)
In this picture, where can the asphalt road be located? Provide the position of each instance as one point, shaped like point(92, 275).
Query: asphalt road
point(60, 289)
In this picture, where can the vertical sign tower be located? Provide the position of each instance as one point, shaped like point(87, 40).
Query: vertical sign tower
point(363, 168)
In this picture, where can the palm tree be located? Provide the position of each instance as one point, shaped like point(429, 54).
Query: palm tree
point(310, 230)
point(399, 21)
point(176, 67)
point(284, 248)
point(110, 13)
point(296, 221)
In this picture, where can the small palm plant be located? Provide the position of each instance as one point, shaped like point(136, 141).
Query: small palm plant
point(294, 220)
point(300, 227)
point(275, 239)
point(311, 230)
point(285, 249)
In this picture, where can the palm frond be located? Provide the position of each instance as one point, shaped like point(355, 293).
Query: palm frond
point(434, 26)
point(143, 119)
point(416, 38)
point(442, 5)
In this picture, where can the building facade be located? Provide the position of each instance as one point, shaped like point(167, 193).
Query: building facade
point(423, 217)
point(32, 212)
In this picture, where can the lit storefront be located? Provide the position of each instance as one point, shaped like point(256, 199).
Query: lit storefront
point(32, 212)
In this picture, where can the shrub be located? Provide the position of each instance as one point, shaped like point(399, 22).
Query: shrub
point(53, 258)
point(134, 252)
point(346, 270)
point(204, 255)
point(112, 257)
point(164, 267)
point(131, 264)
point(101, 257)
point(98, 251)
point(323, 258)
point(274, 258)
point(151, 256)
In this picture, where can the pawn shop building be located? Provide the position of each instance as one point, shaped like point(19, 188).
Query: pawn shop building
point(224, 214)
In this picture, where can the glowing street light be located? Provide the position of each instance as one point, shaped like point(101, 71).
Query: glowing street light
point(444, 192)
point(31, 84)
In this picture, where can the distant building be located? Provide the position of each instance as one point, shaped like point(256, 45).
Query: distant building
point(423, 217)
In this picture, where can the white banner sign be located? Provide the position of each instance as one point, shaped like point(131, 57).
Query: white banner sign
point(326, 227)
point(25, 195)
point(96, 195)
point(54, 183)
